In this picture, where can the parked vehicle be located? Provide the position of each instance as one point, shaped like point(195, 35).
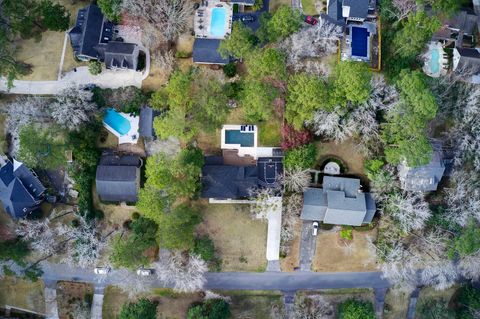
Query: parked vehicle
point(101, 270)
point(247, 18)
point(310, 20)
point(315, 228)
point(144, 272)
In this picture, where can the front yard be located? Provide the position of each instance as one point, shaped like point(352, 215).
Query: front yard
point(71, 296)
point(333, 255)
point(255, 304)
point(22, 294)
point(240, 241)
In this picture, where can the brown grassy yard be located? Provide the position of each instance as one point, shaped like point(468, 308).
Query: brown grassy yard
point(429, 293)
point(254, 304)
point(337, 296)
point(22, 294)
point(169, 305)
point(239, 240)
point(69, 294)
point(292, 260)
point(331, 256)
point(274, 4)
point(396, 304)
point(346, 152)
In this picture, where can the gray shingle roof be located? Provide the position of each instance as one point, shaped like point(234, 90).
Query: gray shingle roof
point(339, 203)
point(20, 190)
point(424, 178)
point(334, 10)
point(358, 8)
point(147, 115)
point(205, 51)
point(118, 178)
point(121, 55)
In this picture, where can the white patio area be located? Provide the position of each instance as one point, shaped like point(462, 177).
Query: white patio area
point(207, 23)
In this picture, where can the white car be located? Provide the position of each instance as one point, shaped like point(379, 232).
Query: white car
point(144, 272)
point(315, 228)
point(101, 270)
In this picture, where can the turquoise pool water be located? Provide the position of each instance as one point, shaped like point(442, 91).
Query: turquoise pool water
point(116, 121)
point(237, 137)
point(217, 22)
point(434, 63)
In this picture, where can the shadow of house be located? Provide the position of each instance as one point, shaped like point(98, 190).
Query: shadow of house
point(118, 178)
point(93, 38)
point(20, 190)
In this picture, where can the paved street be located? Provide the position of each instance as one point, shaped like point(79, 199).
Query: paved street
point(307, 246)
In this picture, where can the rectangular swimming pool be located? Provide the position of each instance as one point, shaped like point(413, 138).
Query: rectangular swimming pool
point(218, 21)
point(237, 137)
point(360, 42)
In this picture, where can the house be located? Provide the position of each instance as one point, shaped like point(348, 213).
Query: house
point(118, 177)
point(423, 178)
point(466, 61)
point(94, 38)
point(459, 30)
point(145, 126)
point(20, 190)
point(339, 202)
point(229, 182)
point(349, 10)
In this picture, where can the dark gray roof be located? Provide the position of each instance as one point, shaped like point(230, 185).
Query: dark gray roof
point(334, 10)
point(121, 55)
point(246, 2)
point(424, 178)
point(470, 53)
point(358, 8)
point(90, 31)
point(234, 182)
point(340, 202)
point(118, 178)
point(147, 115)
point(464, 21)
point(20, 190)
point(205, 51)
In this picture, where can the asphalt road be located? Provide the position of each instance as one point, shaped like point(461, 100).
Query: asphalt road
point(283, 281)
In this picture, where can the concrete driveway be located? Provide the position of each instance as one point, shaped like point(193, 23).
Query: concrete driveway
point(307, 246)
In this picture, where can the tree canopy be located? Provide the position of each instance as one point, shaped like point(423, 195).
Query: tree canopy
point(239, 43)
point(111, 9)
point(211, 309)
point(351, 83)
point(257, 98)
point(265, 64)
point(302, 157)
point(40, 147)
point(355, 309)
point(304, 96)
point(284, 22)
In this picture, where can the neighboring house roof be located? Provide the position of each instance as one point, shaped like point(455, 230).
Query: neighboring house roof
point(234, 182)
point(423, 178)
point(118, 178)
point(121, 55)
point(20, 190)
point(90, 30)
point(358, 8)
point(245, 2)
point(147, 115)
point(334, 10)
point(205, 51)
point(339, 202)
point(464, 21)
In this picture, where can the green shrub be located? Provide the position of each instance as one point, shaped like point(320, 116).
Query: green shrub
point(230, 69)
point(135, 215)
point(204, 247)
point(95, 67)
point(182, 55)
point(143, 308)
point(346, 233)
point(211, 309)
point(302, 157)
point(356, 309)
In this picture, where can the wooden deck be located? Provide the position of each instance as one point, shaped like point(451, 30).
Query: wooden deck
point(230, 157)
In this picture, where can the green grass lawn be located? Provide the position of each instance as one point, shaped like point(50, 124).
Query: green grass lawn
point(270, 133)
point(254, 304)
point(309, 7)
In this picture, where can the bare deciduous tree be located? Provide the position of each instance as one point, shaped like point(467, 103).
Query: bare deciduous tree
point(165, 61)
point(184, 273)
point(264, 201)
point(296, 180)
point(410, 210)
point(313, 307)
point(41, 236)
point(291, 209)
point(72, 107)
point(171, 17)
point(463, 197)
point(404, 8)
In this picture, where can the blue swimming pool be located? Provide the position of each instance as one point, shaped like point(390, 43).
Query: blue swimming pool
point(360, 42)
point(237, 137)
point(117, 122)
point(434, 63)
point(218, 21)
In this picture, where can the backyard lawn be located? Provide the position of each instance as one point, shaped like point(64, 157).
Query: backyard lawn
point(274, 4)
point(169, 305)
point(22, 294)
point(308, 7)
point(240, 241)
point(269, 133)
point(332, 256)
point(346, 152)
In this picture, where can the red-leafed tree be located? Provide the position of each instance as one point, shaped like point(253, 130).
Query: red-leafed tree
point(292, 138)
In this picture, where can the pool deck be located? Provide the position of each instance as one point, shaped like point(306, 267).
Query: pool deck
point(203, 17)
point(347, 51)
point(236, 150)
point(132, 136)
